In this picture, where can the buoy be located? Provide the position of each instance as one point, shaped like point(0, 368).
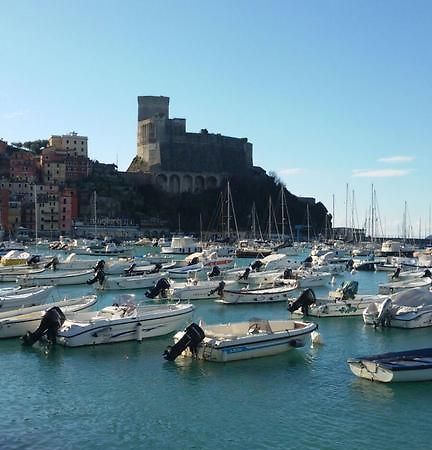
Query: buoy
point(333, 280)
point(139, 332)
point(316, 338)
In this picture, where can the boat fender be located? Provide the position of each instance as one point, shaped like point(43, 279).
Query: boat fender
point(139, 332)
point(51, 322)
point(316, 338)
point(192, 336)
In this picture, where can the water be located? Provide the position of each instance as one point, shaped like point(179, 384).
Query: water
point(125, 396)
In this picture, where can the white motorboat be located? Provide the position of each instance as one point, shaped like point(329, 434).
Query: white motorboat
point(110, 266)
point(259, 295)
point(123, 323)
point(19, 297)
point(182, 273)
point(9, 274)
point(306, 278)
point(18, 322)
point(409, 365)
point(343, 302)
point(114, 282)
point(407, 309)
point(242, 340)
point(182, 245)
point(397, 286)
point(194, 289)
point(51, 278)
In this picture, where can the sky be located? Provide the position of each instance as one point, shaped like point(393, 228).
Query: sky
point(335, 95)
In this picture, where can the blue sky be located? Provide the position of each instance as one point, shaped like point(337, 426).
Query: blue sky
point(329, 92)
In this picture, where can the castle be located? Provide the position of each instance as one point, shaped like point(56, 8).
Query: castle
point(179, 161)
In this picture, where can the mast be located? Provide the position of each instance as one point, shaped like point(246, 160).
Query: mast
point(228, 211)
point(253, 220)
point(201, 228)
point(333, 216)
point(346, 210)
point(282, 214)
point(36, 214)
point(95, 213)
point(372, 215)
point(307, 217)
point(269, 219)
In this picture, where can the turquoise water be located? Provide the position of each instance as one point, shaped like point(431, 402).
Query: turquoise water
point(127, 396)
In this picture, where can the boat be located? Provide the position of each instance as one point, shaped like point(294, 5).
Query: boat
point(17, 322)
point(114, 282)
point(241, 340)
point(14, 257)
point(408, 365)
point(51, 278)
point(10, 274)
point(182, 245)
point(343, 302)
point(194, 289)
point(258, 295)
point(121, 323)
point(411, 308)
point(190, 271)
point(305, 278)
point(19, 297)
point(397, 286)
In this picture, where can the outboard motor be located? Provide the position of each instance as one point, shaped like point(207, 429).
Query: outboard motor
point(427, 273)
point(215, 272)
point(245, 274)
point(50, 324)
point(257, 265)
point(288, 274)
point(308, 262)
point(129, 271)
point(100, 265)
point(160, 288)
point(348, 289)
point(306, 298)
point(219, 289)
point(349, 265)
point(396, 274)
point(156, 269)
point(53, 263)
point(99, 276)
point(193, 261)
point(193, 335)
point(384, 313)
point(33, 260)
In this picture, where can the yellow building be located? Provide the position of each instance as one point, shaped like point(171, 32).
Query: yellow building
point(71, 144)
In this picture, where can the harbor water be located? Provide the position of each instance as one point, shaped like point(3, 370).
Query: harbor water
point(126, 396)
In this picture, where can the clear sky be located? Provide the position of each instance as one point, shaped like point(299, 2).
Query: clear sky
point(329, 92)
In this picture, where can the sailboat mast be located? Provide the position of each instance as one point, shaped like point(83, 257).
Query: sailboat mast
point(36, 214)
point(228, 211)
point(333, 215)
point(269, 218)
point(282, 214)
point(307, 214)
point(95, 213)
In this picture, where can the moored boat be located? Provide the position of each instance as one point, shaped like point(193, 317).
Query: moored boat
point(410, 365)
point(51, 278)
point(259, 295)
point(17, 322)
point(242, 340)
point(22, 297)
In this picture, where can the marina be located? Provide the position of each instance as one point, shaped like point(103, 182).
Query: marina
point(313, 375)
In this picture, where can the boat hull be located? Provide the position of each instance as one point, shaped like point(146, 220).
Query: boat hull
point(108, 331)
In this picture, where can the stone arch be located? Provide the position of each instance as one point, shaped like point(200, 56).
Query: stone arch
point(211, 182)
point(174, 184)
point(199, 183)
point(187, 183)
point(162, 181)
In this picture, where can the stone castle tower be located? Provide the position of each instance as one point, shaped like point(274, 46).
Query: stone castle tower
point(180, 161)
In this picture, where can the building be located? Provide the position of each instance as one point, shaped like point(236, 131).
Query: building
point(23, 165)
point(180, 161)
point(53, 167)
point(70, 144)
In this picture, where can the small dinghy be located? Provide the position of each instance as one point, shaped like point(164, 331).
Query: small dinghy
point(242, 340)
point(411, 365)
point(50, 278)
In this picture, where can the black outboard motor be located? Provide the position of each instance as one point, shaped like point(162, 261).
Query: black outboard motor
point(100, 265)
point(349, 265)
point(215, 272)
point(308, 262)
point(245, 274)
point(306, 298)
point(396, 274)
point(348, 289)
point(160, 288)
point(219, 289)
point(288, 274)
point(33, 260)
point(427, 273)
point(194, 334)
point(53, 263)
point(257, 265)
point(50, 324)
point(194, 260)
point(129, 271)
point(156, 269)
point(99, 276)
